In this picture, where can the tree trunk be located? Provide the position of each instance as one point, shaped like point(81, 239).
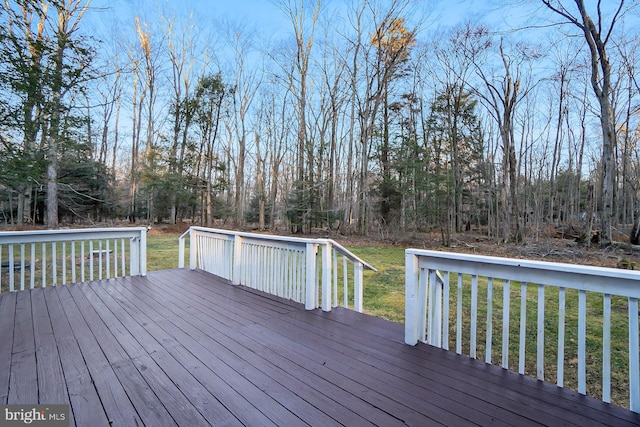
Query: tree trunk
point(135, 142)
point(239, 188)
point(634, 237)
point(608, 169)
point(52, 184)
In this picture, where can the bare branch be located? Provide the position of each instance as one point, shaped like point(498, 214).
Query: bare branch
point(564, 13)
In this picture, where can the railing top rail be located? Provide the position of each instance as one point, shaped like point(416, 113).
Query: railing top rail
point(255, 235)
point(350, 255)
point(581, 277)
point(285, 239)
point(29, 236)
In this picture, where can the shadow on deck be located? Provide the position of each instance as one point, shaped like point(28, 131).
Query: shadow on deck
point(186, 347)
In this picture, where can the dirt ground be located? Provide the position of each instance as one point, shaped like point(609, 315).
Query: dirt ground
point(548, 246)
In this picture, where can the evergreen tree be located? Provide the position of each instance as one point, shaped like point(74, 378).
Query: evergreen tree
point(43, 61)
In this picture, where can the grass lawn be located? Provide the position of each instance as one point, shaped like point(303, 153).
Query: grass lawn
point(383, 294)
point(162, 251)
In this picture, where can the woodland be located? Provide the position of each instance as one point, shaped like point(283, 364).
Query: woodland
point(368, 117)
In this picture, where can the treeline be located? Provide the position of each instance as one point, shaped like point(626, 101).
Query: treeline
point(366, 118)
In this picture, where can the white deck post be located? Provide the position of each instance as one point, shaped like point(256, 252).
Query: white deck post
point(311, 291)
point(412, 322)
point(11, 270)
point(357, 286)
point(434, 336)
point(236, 276)
point(134, 257)
point(335, 278)
point(143, 252)
point(193, 250)
point(326, 276)
point(181, 249)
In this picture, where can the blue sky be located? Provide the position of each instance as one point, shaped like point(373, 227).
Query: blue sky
point(263, 15)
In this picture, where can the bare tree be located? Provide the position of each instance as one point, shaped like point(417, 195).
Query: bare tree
point(626, 208)
point(352, 60)
point(277, 124)
point(182, 50)
point(110, 95)
point(501, 96)
point(597, 36)
point(304, 26)
point(150, 67)
point(136, 124)
point(387, 50)
point(247, 80)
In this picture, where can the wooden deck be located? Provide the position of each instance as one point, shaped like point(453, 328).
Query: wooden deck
point(185, 347)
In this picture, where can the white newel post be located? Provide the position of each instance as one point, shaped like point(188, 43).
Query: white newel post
point(134, 257)
point(11, 269)
point(411, 333)
point(193, 250)
point(237, 260)
point(311, 290)
point(357, 286)
point(335, 278)
point(143, 252)
point(434, 336)
point(326, 276)
point(181, 250)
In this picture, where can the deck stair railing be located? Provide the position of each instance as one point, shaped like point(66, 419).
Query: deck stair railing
point(300, 269)
point(40, 258)
point(562, 315)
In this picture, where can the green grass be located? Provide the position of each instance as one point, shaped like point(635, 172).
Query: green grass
point(383, 294)
point(162, 252)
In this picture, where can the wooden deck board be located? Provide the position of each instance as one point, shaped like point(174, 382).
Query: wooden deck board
point(367, 349)
point(80, 387)
point(117, 407)
point(52, 387)
point(7, 318)
point(171, 325)
point(23, 382)
point(248, 380)
point(232, 340)
point(184, 347)
point(150, 335)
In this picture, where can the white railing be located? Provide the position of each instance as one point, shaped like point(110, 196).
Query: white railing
point(43, 258)
point(451, 300)
point(289, 267)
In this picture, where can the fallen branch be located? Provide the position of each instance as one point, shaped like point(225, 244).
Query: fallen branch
point(625, 246)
